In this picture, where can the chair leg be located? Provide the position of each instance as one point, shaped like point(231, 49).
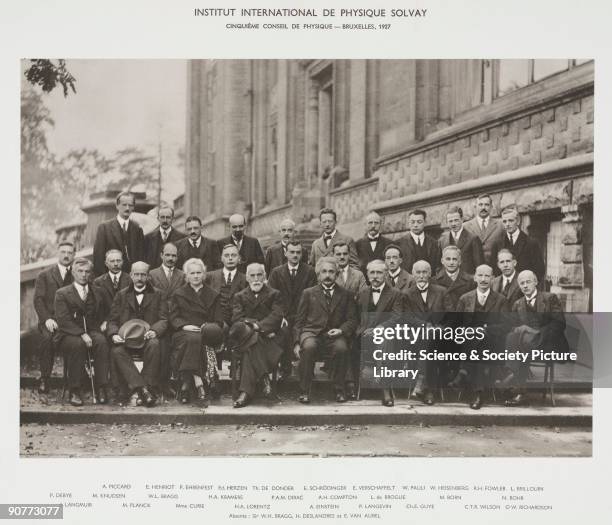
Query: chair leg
point(234, 375)
point(552, 384)
point(545, 381)
point(65, 377)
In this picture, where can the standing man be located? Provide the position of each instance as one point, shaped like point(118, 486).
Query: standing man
point(455, 281)
point(325, 321)
point(417, 245)
point(349, 278)
point(78, 315)
point(248, 247)
point(47, 283)
point(322, 247)
point(276, 254)
point(110, 282)
point(291, 279)
point(155, 240)
point(196, 246)
point(469, 244)
point(372, 245)
point(485, 227)
point(120, 233)
point(261, 309)
point(397, 277)
point(507, 283)
point(140, 300)
point(526, 250)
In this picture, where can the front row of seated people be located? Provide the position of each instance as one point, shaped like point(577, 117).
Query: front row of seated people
point(176, 322)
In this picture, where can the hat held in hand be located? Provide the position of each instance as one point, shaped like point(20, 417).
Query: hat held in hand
point(133, 331)
point(241, 336)
point(212, 334)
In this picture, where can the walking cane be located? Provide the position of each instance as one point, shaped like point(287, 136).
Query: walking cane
point(89, 368)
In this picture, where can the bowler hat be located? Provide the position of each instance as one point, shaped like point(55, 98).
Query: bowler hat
point(133, 331)
point(212, 334)
point(241, 335)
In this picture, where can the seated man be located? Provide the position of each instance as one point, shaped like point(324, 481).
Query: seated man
point(78, 311)
point(196, 315)
point(138, 301)
point(260, 308)
point(326, 320)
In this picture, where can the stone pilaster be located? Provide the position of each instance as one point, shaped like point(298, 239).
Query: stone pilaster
point(571, 278)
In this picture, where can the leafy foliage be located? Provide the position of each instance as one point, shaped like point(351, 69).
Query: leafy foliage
point(47, 74)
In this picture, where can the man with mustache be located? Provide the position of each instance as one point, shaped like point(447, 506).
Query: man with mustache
point(276, 254)
point(372, 245)
point(196, 246)
point(248, 247)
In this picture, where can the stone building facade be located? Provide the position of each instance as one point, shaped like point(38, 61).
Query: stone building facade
point(283, 138)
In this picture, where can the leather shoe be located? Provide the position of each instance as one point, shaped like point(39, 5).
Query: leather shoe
point(387, 397)
point(43, 386)
point(202, 397)
point(75, 399)
point(304, 398)
point(517, 400)
point(429, 398)
point(148, 399)
point(350, 391)
point(102, 395)
point(340, 397)
point(242, 400)
point(266, 387)
point(476, 402)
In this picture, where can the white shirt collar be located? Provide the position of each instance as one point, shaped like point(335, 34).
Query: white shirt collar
point(515, 235)
point(458, 234)
point(332, 234)
point(483, 294)
point(510, 279)
point(167, 269)
point(453, 276)
point(421, 286)
point(80, 287)
point(197, 289)
point(226, 272)
point(112, 275)
point(394, 274)
point(293, 267)
point(121, 221)
point(197, 243)
point(532, 297)
point(419, 237)
point(380, 287)
point(62, 270)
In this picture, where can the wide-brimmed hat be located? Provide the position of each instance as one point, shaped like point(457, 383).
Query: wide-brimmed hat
point(212, 334)
point(133, 331)
point(241, 335)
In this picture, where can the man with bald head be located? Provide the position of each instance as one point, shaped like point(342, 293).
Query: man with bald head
point(372, 245)
point(248, 247)
point(276, 255)
point(539, 323)
point(155, 240)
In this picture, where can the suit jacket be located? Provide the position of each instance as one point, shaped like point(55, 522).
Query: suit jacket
point(489, 236)
point(404, 281)
point(216, 280)
point(154, 244)
point(107, 291)
point(409, 252)
point(250, 251)
point(267, 309)
point(208, 251)
point(291, 289)
point(527, 252)
point(513, 293)
point(472, 255)
point(275, 256)
point(495, 302)
point(315, 317)
point(454, 289)
point(365, 254)
point(153, 309)
point(48, 282)
point(435, 300)
point(319, 250)
point(355, 281)
point(494, 315)
point(387, 311)
point(188, 307)
point(73, 315)
point(109, 236)
point(158, 279)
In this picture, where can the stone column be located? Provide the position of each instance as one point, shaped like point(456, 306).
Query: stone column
point(571, 279)
point(357, 167)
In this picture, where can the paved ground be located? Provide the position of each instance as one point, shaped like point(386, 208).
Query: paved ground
point(327, 440)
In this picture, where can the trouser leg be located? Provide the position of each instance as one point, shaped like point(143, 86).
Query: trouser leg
point(339, 350)
point(126, 368)
point(75, 353)
point(151, 360)
point(101, 357)
point(308, 350)
point(46, 353)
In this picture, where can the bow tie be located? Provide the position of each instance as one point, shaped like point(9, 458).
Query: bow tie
point(423, 290)
point(372, 239)
point(141, 292)
point(376, 290)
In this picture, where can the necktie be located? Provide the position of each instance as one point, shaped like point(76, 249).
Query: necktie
point(481, 299)
point(170, 273)
point(506, 286)
point(229, 279)
point(327, 239)
point(418, 242)
point(482, 225)
point(83, 293)
point(394, 280)
point(293, 272)
point(164, 235)
point(424, 290)
point(328, 295)
point(115, 281)
point(125, 226)
point(511, 239)
point(193, 244)
point(67, 276)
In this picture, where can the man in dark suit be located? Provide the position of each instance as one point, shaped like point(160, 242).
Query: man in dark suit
point(379, 305)
point(417, 245)
point(248, 247)
point(196, 246)
point(372, 245)
point(110, 282)
point(426, 301)
point(527, 251)
point(452, 278)
point(275, 254)
point(507, 283)
point(485, 227)
point(195, 311)
point(326, 320)
point(262, 309)
point(396, 276)
point(291, 279)
point(351, 279)
point(322, 247)
point(120, 233)
point(539, 324)
point(139, 300)
point(479, 307)
point(47, 283)
point(78, 315)
point(469, 244)
point(155, 240)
